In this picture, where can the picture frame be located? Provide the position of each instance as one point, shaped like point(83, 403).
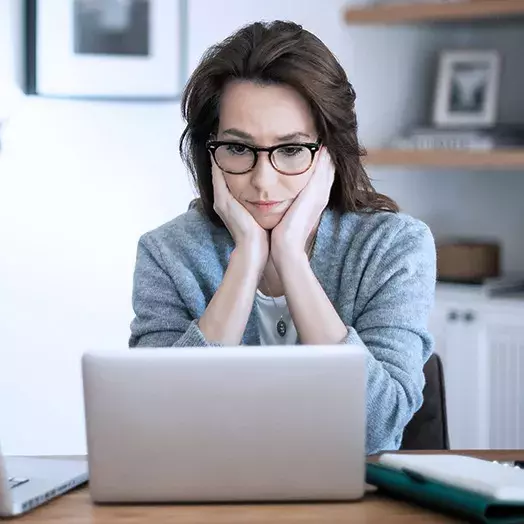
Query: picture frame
point(106, 49)
point(467, 89)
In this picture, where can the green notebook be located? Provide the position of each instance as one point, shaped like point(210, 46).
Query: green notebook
point(447, 495)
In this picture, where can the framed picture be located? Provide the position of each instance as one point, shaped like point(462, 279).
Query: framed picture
point(111, 49)
point(467, 89)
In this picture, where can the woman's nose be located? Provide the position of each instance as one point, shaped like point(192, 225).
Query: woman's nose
point(264, 175)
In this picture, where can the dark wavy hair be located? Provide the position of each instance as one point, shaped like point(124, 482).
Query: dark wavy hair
point(282, 53)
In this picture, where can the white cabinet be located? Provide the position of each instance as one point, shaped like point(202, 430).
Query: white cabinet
point(481, 343)
point(505, 347)
point(458, 333)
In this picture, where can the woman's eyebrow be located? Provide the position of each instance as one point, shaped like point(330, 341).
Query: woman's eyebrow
point(238, 133)
point(283, 138)
point(293, 136)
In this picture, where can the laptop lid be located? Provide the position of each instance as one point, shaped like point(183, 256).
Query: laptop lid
point(36, 480)
point(226, 424)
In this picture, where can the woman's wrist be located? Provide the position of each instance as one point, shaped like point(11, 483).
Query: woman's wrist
point(250, 260)
point(287, 263)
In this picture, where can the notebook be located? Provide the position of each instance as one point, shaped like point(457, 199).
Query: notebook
point(479, 490)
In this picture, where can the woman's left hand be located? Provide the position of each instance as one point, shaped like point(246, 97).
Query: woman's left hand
point(289, 238)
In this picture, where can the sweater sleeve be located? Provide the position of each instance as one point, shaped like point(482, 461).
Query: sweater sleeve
point(392, 324)
point(161, 317)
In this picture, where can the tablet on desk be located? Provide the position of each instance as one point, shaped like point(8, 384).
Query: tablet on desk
point(226, 424)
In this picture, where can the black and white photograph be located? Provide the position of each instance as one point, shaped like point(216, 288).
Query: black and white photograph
point(467, 89)
point(112, 27)
point(469, 85)
point(107, 49)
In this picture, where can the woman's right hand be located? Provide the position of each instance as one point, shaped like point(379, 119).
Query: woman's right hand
point(251, 240)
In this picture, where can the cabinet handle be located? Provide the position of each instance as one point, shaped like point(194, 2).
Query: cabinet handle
point(469, 316)
point(452, 316)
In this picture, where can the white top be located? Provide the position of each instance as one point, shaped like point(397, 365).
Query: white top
point(269, 312)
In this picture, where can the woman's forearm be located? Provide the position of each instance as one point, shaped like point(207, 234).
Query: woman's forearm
point(315, 318)
point(225, 318)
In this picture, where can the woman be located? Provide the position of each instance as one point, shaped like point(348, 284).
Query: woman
point(288, 243)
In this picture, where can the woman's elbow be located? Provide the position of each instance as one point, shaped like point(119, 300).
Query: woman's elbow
point(401, 402)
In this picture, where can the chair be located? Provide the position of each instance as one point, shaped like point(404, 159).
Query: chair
point(428, 429)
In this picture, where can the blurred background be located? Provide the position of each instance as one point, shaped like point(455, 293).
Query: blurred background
point(90, 123)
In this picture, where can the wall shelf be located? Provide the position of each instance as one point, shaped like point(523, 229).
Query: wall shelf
point(438, 12)
point(508, 159)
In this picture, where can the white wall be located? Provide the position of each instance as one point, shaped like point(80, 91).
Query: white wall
point(10, 64)
point(80, 181)
point(483, 205)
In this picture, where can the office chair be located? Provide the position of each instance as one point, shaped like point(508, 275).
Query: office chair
point(428, 429)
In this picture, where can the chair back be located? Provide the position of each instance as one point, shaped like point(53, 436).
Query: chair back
point(428, 429)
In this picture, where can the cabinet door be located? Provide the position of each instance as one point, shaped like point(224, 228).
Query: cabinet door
point(458, 333)
point(505, 345)
point(467, 401)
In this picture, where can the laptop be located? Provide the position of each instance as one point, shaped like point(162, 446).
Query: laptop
point(28, 482)
point(244, 424)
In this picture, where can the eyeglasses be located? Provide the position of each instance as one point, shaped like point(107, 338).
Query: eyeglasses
point(289, 159)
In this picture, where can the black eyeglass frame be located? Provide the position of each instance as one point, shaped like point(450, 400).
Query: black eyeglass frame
point(314, 147)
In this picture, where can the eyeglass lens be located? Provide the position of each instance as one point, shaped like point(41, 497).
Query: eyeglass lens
point(237, 158)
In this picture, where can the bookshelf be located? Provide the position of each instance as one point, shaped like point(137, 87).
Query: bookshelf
point(487, 11)
point(472, 10)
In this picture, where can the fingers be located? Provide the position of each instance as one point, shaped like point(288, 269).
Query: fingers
point(216, 174)
point(219, 184)
point(330, 169)
point(325, 169)
point(324, 177)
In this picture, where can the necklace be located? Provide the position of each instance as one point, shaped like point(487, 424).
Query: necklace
point(281, 325)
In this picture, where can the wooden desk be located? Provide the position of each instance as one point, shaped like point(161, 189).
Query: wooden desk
point(76, 508)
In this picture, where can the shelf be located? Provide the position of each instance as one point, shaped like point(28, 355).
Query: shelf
point(438, 12)
point(509, 159)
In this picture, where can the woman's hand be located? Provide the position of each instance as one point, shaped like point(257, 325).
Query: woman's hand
point(251, 240)
point(289, 238)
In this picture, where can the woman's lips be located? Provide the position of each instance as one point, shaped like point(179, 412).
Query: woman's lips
point(266, 205)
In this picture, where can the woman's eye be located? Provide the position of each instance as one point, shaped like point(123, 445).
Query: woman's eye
point(291, 150)
point(237, 149)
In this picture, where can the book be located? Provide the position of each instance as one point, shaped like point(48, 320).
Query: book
point(502, 136)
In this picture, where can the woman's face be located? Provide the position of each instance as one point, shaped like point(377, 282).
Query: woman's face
point(264, 116)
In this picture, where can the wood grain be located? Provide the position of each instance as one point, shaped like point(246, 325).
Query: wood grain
point(510, 159)
point(448, 12)
point(76, 508)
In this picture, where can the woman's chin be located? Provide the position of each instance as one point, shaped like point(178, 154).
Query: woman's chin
point(269, 222)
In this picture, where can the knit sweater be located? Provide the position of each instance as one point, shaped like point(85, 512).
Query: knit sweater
point(378, 270)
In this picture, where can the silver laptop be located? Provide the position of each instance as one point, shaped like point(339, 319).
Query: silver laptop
point(28, 482)
point(226, 424)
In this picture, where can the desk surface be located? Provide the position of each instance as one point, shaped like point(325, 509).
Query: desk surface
point(76, 508)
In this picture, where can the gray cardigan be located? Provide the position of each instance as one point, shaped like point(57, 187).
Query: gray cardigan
point(378, 270)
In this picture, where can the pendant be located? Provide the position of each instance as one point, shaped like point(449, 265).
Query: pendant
point(281, 328)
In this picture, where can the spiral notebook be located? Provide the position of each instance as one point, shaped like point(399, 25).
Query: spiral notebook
point(479, 490)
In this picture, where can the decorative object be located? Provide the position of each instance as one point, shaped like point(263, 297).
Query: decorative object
point(467, 89)
point(469, 261)
point(116, 49)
